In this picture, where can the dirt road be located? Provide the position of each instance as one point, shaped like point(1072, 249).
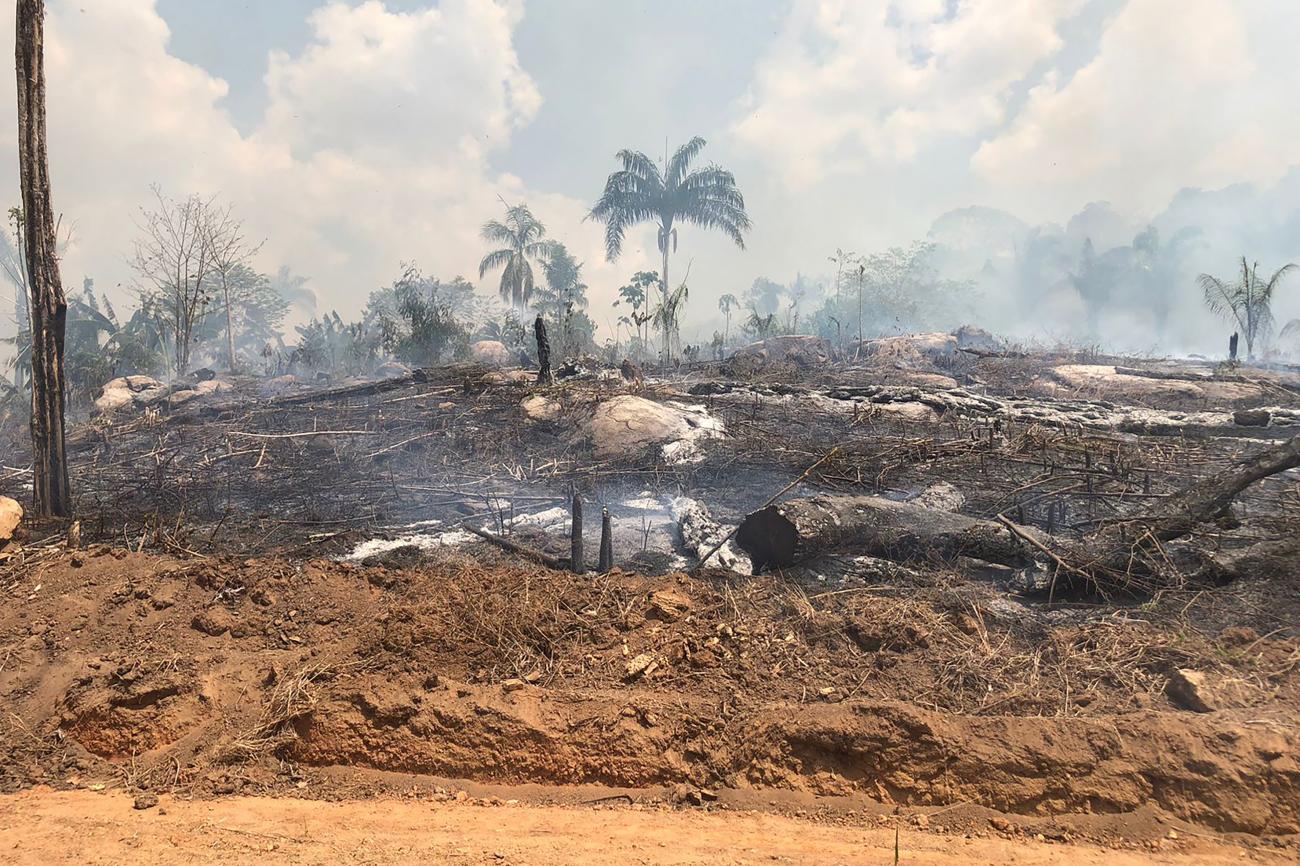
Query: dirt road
point(53, 828)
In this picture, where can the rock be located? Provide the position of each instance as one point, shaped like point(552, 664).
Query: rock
point(491, 353)
point(512, 685)
point(1205, 692)
point(802, 351)
point(11, 514)
point(391, 370)
point(129, 391)
point(909, 348)
point(627, 425)
point(941, 496)
point(1252, 417)
point(509, 377)
point(971, 337)
point(279, 385)
point(541, 408)
point(214, 621)
point(669, 604)
point(212, 386)
point(641, 665)
point(145, 801)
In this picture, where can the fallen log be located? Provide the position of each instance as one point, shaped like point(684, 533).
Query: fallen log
point(783, 534)
point(1126, 556)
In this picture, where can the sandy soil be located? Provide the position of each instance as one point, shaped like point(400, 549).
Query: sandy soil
point(47, 827)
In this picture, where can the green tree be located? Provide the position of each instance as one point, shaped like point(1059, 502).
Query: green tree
point(706, 197)
point(562, 303)
point(636, 295)
point(522, 237)
point(1248, 302)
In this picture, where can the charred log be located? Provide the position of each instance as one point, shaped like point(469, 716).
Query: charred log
point(786, 533)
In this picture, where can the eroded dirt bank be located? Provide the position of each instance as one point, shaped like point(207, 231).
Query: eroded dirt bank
point(52, 828)
point(213, 676)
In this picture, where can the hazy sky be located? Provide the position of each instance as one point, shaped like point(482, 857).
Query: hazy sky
point(356, 135)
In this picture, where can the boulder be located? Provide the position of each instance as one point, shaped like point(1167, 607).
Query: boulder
point(801, 350)
point(540, 408)
point(909, 348)
point(11, 514)
point(212, 386)
point(627, 425)
point(971, 337)
point(279, 385)
point(128, 391)
point(491, 353)
point(391, 370)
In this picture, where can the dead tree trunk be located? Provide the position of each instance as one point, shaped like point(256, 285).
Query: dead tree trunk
point(577, 559)
point(544, 376)
point(783, 534)
point(51, 490)
point(606, 564)
point(1122, 554)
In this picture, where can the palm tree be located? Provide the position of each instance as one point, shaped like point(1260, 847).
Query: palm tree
point(522, 238)
point(726, 304)
point(707, 197)
point(1247, 302)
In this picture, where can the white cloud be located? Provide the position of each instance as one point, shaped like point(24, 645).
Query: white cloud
point(1180, 93)
point(849, 82)
point(374, 148)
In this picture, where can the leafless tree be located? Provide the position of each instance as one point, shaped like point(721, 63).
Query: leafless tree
point(51, 488)
point(228, 248)
point(175, 266)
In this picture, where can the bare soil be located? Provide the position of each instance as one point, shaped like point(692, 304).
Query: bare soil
point(47, 828)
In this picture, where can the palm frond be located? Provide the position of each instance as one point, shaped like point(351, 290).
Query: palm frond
point(641, 166)
point(497, 232)
point(681, 161)
point(1277, 277)
point(494, 260)
point(1221, 298)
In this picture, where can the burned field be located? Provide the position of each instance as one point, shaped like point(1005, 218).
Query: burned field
point(1055, 587)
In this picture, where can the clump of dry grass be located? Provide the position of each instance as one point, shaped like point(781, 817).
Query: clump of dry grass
point(293, 697)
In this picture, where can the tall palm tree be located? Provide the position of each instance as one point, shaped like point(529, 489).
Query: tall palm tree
point(1247, 302)
point(726, 304)
point(707, 197)
point(522, 236)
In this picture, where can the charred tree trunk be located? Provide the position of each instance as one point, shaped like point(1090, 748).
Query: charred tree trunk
point(544, 376)
point(606, 543)
point(784, 534)
point(577, 559)
point(1123, 552)
point(51, 489)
